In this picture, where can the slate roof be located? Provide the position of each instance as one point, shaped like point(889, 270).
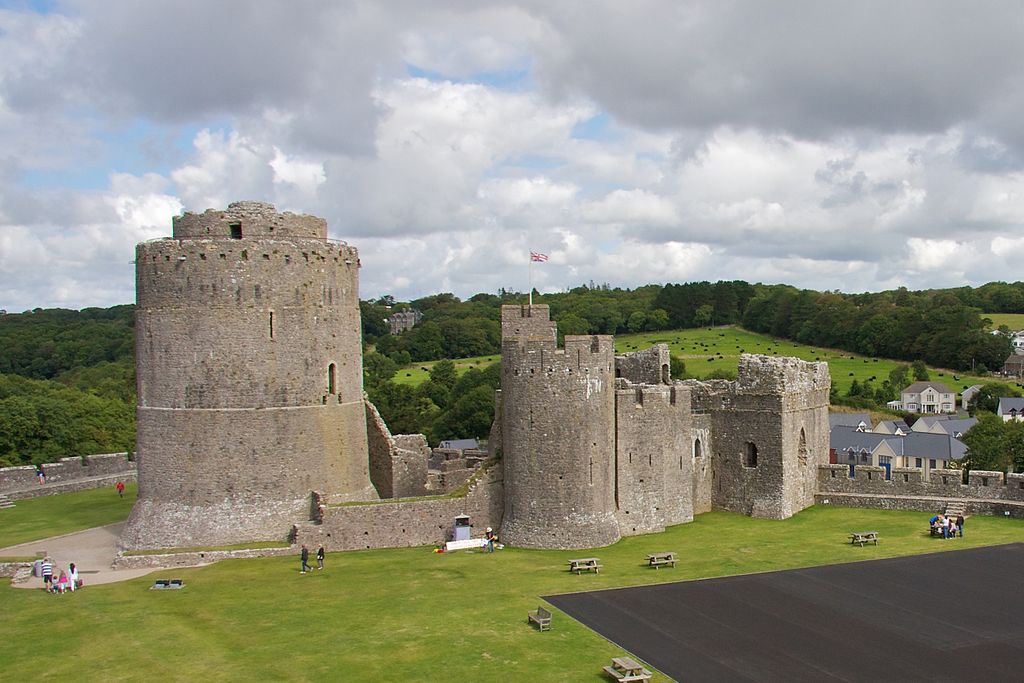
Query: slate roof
point(958, 426)
point(914, 444)
point(890, 426)
point(849, 419)
point(1008, 404)
point(843, 438)
point(918, 387)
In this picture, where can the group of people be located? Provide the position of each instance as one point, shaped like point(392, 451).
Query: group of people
point(66, 581)
point(947, 526)
point(304, 556)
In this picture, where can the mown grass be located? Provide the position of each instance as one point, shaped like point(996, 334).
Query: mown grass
point(32, 519)
point(411, 614)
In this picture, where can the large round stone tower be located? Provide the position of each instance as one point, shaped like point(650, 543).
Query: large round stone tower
point(249, 377)
point(558, 434)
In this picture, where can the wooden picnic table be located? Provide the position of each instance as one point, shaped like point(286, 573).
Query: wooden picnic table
point(585, 564)
point(862, 537)
point(657, 560)
point(627, 670)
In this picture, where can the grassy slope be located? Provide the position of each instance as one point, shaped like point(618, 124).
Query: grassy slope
point(1015, 321)
point(410, 614)
point(36, 518)
point(697, 347)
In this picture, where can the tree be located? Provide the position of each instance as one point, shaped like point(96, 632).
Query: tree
point(920, 371)
point(677, 368)
point(995, 445)
point(986, 400)
point(377, 368)
point(637, 321)
point(704, 315)
point(657, 320)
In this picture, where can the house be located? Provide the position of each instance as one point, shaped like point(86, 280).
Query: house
point(967, 394)
point(401, 321)
point(1011, 409)
point(1014, 365)
point(861, 421)
point(940, 424)
point(1017, 339)
point(928, 397)
point(896, 427)
point(921, 450)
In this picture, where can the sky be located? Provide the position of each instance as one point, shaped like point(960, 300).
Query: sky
point(852, 146)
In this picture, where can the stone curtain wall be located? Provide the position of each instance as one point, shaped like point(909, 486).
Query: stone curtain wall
point(73, 474)
point(402, 524)
point(649, 366)
point(986, 492)
point(654, 459)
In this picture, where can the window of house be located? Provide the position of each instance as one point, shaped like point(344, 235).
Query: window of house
point(931, 463)
point(750, 455)
point(918, 462)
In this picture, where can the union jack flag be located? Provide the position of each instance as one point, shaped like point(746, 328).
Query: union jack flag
point(535, 256)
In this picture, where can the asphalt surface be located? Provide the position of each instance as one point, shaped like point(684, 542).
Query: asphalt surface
point(952, 616)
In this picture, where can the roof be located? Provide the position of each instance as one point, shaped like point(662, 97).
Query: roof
point(459, 444)
point(959, 426)
point(890, 426)
point(1008, 404)
point(1015, 359)
point(918, 387)
point(844, 438)
point(914, 444)
point(849, 419)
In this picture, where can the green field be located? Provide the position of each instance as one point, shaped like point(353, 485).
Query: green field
point(705, 350)
point(411, 614)
point(35, 518)
point(1015, 321)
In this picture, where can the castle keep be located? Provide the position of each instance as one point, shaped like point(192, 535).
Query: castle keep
point(249, 377)
point(252, 423)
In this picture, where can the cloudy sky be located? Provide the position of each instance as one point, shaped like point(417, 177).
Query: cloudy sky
point(832, 145)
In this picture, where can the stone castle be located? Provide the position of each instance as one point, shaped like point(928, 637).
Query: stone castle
point(252, 422)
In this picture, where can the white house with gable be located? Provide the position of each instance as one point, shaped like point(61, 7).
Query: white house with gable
point(928, 397)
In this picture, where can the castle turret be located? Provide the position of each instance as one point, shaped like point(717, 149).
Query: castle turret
point(249, 362)
point(558, 434)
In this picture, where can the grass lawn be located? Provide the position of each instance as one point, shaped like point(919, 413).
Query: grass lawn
point(411, 614)
point(1015, 321)
point(35, 518)
point(707, 349)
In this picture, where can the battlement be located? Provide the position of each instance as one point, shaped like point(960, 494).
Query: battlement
point(527, 322)
point(243, 220)
point(777, 375)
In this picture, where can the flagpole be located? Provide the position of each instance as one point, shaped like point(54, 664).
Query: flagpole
point(531, 279)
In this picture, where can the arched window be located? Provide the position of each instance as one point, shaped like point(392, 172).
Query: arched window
point(698, 449)
point(750, 455)
point(665, 374)
point(331, 389)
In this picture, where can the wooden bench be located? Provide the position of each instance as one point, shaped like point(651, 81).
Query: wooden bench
point(585, 564)
point(862, 537)
point(657, 560)
point(541, 617)
point(626, 670)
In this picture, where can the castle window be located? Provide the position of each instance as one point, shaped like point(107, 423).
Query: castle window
point(271, 324)
point(665, 374)
point(750, 455)
point(330, 379)
point(698, 449)
point(906, 477)
point(236, 231)
point(801, 453)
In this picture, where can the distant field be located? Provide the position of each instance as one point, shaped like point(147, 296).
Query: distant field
point(707, 349)
point(1015, 321)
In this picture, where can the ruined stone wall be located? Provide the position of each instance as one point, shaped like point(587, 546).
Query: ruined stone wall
point(249, 378)
point(649, 366)
point(654, 460)
point(78, 470)
point(770, 434)
point(558, 418)
point(406, 524)
point(704, 396)
point(398, 464)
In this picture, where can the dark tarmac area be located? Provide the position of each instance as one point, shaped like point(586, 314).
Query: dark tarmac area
point(951, 616)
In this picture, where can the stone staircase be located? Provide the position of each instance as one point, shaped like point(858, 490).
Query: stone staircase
point(5, 502)
point(956, 508)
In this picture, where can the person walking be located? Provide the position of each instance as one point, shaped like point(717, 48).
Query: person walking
point(47, 575)
point(120, 488)
point(320, 557)
point(305, 560)
point(960, 524)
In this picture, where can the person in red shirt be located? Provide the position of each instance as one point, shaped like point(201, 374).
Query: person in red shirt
point(120, 488)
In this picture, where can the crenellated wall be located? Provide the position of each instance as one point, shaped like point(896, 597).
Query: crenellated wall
point(648, 366)
point(70, 474)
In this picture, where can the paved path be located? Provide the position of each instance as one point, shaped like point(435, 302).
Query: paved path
point(93, 552)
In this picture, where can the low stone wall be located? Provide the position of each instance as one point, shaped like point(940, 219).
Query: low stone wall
point(73, 485)
point(401, 524)
point(94, 469)
point(11, 570)
point(909, 481)
point(993, 508)
point(193, 559)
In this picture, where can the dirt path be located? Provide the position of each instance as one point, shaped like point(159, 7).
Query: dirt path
point(93, 552)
